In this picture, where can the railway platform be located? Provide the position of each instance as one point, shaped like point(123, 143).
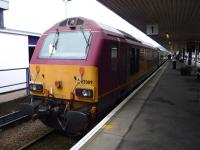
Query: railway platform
point(163, 115)
point(6, 97)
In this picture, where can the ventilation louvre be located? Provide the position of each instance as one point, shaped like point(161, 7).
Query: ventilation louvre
point(72, 22)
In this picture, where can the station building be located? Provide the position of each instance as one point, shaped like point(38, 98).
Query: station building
point(16, 50)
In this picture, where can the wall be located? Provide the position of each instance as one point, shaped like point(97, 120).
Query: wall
point(13, 55)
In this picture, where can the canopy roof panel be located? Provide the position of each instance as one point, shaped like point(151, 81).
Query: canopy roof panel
point(178, 20)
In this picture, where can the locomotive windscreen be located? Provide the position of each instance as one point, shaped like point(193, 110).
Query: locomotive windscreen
point(66, 45)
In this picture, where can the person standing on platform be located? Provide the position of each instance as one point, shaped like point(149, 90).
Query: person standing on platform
point(169, 57)
point(174, 62)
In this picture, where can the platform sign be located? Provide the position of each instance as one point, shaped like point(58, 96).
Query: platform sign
point(152, 29)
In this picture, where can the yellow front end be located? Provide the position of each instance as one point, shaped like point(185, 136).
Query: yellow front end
point(67, 82)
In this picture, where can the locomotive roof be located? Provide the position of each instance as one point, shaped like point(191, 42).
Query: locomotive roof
point(81, 22)
point(84, 23)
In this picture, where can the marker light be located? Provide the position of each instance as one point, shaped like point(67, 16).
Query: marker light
point(37, 69)
point(58, 84)
point(81, 71)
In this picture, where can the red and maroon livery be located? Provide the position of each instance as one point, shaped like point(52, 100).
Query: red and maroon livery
point(80, 68)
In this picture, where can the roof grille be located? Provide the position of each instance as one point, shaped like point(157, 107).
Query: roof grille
point(72, 22)
point(63, 23)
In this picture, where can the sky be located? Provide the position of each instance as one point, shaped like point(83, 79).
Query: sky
point(39, 15)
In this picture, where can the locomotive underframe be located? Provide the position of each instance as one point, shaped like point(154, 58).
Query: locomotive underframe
point(59, 114)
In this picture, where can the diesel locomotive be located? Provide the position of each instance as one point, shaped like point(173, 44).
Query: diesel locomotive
point(80, 68)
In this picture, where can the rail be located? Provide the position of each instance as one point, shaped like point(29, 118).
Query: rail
point(12, 118)
point(36, 140)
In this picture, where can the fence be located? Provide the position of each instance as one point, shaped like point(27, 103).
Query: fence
point(9, 71)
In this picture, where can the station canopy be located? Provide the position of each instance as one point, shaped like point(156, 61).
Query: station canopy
point(172, 23)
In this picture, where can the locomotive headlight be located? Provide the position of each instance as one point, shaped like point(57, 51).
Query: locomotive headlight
point(87, 93)
point(36, 87)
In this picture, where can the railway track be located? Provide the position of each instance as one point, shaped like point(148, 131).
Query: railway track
point(12, 118)
point(36, 140)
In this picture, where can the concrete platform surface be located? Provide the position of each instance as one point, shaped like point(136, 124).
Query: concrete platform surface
point(164, 115)
point(12, 95)
point(170, 119)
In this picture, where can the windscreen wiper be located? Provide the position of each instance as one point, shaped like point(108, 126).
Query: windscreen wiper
point(55, 42)
point(86, 40)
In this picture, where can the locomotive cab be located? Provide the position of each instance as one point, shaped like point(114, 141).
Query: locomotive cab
point(63, 76)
